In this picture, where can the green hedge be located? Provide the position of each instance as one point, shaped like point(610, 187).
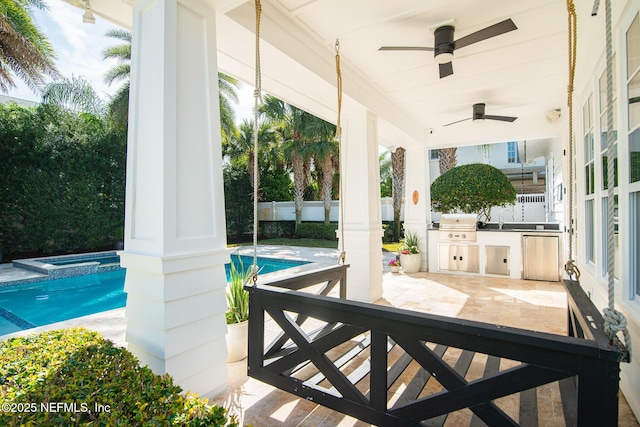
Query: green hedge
point(314, 230)
point(62, 182)
point(80, 369)
point(276, 229)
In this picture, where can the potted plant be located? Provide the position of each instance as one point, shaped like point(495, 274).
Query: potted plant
point(394, 265)
point(410, 257)
point(237, 313)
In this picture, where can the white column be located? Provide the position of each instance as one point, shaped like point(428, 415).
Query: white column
point(360, 170)
point(175, 238)
point(417, 200)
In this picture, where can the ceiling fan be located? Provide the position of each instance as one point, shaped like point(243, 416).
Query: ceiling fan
point(478, 114)
point(445, 45)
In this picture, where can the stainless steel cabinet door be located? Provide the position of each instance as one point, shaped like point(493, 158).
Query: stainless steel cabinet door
point(541, 258)
point(497, 260)
point(467, 258)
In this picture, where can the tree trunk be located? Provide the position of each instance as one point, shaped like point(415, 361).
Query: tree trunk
point(448, 159)
point(327, 184)
point(397, 180)
point(298, 186)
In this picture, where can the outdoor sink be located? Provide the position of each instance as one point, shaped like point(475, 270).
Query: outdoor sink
point(521, 226)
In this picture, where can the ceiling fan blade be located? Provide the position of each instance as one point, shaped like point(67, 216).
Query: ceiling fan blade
point(486, 33)
point(458, 121)
point(420, 48)
point(446, 69)
point(501, 118)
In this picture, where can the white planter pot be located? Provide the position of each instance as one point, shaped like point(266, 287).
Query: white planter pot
point(237, 341)
point(410, 263)
point(394, 269)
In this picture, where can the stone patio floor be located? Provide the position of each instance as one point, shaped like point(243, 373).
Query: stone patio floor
point(532, 305)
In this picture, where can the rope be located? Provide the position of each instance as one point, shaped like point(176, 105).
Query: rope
point(256, 115)
point(343, 254)
point(570, 266)
point(614, 321)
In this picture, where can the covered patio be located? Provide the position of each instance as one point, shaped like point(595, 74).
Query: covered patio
point(175, 240)
point(530, 305)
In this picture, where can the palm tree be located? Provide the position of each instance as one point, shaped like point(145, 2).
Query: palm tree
point(296, 128)
point(324, 149)
point(228, 96)
point(119, 105)
point(24, 51)
point(397, 179)
point(241, 147)
point(448, 159)
point(75, 94)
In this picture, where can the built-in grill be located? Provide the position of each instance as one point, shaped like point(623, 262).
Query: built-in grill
point(458, 227)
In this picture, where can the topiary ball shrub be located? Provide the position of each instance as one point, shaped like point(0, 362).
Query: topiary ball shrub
point(75, 377)
point(473, 188)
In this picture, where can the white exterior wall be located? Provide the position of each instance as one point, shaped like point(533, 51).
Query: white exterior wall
point(591, 54)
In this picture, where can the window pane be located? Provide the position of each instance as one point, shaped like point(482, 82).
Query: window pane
point(634, 102)
point(605, 244)
point(634, 240)
point(603, 86)
point(589, 231)
point(603, 128)
point(590, 178)
point(634, 155)
point(588, 147)
point(586, 115)
point(605, 171)
point(633, 47)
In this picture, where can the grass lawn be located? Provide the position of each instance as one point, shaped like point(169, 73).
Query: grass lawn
point(312, 243)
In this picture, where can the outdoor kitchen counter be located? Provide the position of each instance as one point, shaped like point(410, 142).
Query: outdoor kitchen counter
point(498, 252)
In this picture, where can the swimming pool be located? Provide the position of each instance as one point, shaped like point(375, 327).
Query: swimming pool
point(28, 305)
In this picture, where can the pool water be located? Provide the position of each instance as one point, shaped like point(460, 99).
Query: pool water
point(34, 304)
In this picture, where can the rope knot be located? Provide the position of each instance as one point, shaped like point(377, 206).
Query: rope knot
point(572, 269)
point(614, 321)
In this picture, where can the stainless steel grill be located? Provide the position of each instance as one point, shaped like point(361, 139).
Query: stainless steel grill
point(458, 227)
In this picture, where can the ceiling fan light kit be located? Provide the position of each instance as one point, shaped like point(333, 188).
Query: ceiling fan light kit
point(445, 45)
point(443, 50)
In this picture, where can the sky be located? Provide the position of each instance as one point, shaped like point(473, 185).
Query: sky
point(79, 46)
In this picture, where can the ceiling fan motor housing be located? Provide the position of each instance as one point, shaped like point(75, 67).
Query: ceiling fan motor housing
point(478, 111)
point(443, 40)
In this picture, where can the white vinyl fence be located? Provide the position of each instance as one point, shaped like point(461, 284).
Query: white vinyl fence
point(528, 208)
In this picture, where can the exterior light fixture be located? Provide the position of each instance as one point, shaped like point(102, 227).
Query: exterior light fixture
point(88, 17)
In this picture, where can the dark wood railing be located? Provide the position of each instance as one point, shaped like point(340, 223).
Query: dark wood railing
point(394, 367)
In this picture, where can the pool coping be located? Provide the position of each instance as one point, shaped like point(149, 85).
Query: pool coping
point(52, 271)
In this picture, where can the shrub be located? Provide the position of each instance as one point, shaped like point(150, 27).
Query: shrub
point(317, 231)
point(79, 367)
point(473, 188)
point(273, 229)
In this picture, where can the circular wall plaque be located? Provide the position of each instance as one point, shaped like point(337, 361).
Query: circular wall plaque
point(415, 197)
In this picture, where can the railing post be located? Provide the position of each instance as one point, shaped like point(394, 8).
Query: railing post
point(343, 285)
point(378, 372)
point(598, 393)
point(256, 330)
